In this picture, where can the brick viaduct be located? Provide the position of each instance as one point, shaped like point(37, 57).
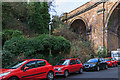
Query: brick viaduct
point(98, 22)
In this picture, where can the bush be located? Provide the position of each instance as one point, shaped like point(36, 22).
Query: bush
point(56, 44)
point(81, 49)
point(66, 33)
point(37, 47)
point(8, 34)
point(102, 52)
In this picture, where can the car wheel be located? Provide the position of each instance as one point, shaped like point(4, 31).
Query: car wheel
point(112, 65)
point(66, 73)
point(13, 78)
point(50, 76)
point(98, 68)
point(81, 71)
point(106, 66)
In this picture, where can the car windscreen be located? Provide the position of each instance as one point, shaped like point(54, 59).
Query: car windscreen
point(63, 62)
point(15, 65)
point(93, 60)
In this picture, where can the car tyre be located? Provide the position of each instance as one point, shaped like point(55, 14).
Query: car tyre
point(106, 66)
point(66, 73)
point(50, 75)
point(13, 78)
point(81, 71)
point(112, 65)
point(98, 68)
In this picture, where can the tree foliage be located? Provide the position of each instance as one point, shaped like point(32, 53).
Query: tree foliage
point(8, 34)
point(40, 17)
point(34, 47)
point(23, 16)
point(13, 14)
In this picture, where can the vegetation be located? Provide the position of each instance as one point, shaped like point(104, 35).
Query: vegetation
point(102, 52)
point(25, 35)
point(39, 20)
point(8, 34)
point(62, 29)
point(14, 15)
point(29, 18)
point(37, 47)
point(80, 47)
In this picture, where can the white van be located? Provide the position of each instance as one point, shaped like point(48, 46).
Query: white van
point(116, 54)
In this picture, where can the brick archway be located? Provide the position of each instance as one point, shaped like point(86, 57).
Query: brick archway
point(79, 26)
point(110, 13)
point(118, 32)
point(81, 18)
point(113, 28)
point(97, 17)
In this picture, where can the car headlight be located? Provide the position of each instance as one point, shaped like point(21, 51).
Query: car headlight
point(59, 69)
point(3, 74)
point(93, 65)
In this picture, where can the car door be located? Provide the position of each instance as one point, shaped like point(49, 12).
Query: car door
point(78, 65)
point(72, 66)
point(101, 64)
point(114, 61)
point(30, 73)
point(104, 63)
point(42, 69)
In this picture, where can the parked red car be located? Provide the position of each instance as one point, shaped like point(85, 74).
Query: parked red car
point(111, 61)
point(28, 69)
point(66, 66)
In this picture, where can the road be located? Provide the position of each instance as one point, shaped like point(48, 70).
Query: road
point(109, 74)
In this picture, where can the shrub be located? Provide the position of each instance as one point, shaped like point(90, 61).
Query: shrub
point(37, 47)
point(102, 52)
point(66, 33)
point(81, 49)
point(56, 44)
point(8, 34)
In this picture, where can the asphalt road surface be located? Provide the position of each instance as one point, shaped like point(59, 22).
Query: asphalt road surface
point(108, 74)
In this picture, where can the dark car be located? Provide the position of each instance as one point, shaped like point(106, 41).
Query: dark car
point(95, 64)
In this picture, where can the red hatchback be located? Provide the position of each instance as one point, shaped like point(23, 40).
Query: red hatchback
point(66, 66)
point(28, 69)
point(111, 61)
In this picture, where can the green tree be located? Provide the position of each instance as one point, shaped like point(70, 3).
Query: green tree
point(28, 18)
point(8, 34)
point(14, 14)
point(39, 20)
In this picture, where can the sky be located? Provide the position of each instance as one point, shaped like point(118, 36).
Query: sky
point(62, 6)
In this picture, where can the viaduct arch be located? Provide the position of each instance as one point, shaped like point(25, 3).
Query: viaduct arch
point(98, 21)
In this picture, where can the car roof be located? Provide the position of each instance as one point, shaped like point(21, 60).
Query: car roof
point(108, 57)
point(69, 58)
point(33, 59)
point(94, 58)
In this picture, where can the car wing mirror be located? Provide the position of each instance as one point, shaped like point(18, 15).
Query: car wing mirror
point(26, 68)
